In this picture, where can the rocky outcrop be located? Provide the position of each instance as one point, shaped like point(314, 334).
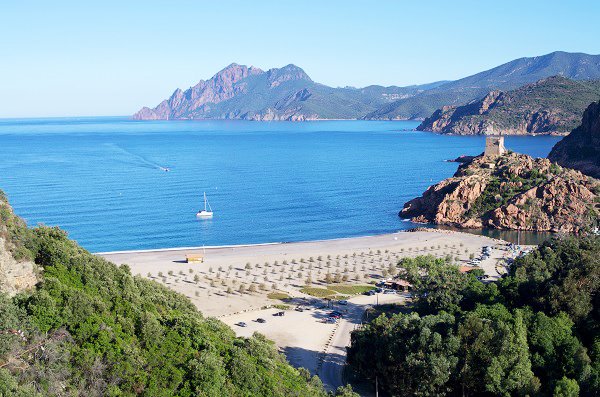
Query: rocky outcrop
point(581, 148)
point(15, 276)
point(221, 87)
point(512, 191)
point(18, 272)
point(549, 106)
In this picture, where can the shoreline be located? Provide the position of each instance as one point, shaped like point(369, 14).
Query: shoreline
point(279, 243)
point(213, 247)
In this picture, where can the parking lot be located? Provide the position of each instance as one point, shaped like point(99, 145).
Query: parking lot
point(305, 335)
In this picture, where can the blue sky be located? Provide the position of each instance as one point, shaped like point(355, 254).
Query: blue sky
point(69, 58)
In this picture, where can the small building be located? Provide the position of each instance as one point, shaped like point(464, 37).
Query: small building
point(494, 144)
point(398, 285)
point(194, 258)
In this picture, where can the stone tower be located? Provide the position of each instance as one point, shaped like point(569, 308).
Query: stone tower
point(494, 144)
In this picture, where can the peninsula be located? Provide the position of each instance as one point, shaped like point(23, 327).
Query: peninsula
point(505, 190)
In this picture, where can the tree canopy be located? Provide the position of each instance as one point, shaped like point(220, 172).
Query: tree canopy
point(535, 332)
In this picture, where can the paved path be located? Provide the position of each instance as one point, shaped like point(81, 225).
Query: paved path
point(332, 368)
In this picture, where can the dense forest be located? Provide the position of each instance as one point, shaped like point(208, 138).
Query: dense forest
point(535, 332)
point(90, 328)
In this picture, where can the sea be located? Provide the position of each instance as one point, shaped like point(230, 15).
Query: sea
point(118, 184)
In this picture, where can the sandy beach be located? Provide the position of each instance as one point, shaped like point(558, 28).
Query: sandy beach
point(270, 271)
point(285, 266)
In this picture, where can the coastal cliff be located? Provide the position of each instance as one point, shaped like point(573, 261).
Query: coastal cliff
point(581, 148)
point(512, 191)
point(550, 106)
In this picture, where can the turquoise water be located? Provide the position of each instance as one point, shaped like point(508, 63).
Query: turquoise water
point(102, 179)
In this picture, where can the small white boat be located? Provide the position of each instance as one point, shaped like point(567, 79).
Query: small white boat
point(207, 212)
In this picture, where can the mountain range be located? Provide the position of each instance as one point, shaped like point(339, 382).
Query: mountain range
point(553, 105)
point(511, 75)
point(288, 93)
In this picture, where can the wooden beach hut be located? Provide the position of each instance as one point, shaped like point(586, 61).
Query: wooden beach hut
point(194, 258)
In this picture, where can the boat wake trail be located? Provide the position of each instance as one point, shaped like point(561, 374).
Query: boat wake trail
point(136, 159)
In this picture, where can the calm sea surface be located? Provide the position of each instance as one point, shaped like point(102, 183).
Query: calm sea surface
point(103, 179)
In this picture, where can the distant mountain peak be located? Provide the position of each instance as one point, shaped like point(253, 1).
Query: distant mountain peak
point(286, 73)
point(234, 73)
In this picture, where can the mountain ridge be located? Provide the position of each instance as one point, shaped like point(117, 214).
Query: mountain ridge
point(508, 76)
point(286, 93)
point(549, 106)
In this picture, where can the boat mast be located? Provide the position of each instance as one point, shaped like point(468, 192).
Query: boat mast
point(204, 201)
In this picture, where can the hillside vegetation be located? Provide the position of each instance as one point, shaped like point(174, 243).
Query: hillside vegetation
point(549, 106)
point(90, 328)
point(536, 332)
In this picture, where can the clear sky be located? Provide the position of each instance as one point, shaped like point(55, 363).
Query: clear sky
point(70, 58)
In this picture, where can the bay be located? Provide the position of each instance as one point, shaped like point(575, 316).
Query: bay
point(103, 179)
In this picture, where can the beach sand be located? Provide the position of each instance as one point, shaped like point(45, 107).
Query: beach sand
point(227, 267)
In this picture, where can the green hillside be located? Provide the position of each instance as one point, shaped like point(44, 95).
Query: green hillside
point(90, 328)
point(552, 105)
point(509, 76)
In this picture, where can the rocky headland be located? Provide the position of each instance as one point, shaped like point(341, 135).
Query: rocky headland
point(550, 106)
point(581, 148)
point(510, 191)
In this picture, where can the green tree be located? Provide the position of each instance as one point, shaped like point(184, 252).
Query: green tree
point(409, 354)
point(494, 352)
point(566, 388)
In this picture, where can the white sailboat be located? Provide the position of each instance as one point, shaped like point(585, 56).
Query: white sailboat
point(207, 212)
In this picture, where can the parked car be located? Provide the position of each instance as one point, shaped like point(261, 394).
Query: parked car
point(369, 293)
point(261, 320)
point(242, 324)
point(378, 290)
point(343, 302)
point(279, 314)
point(299, 309)
point(389, 291)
